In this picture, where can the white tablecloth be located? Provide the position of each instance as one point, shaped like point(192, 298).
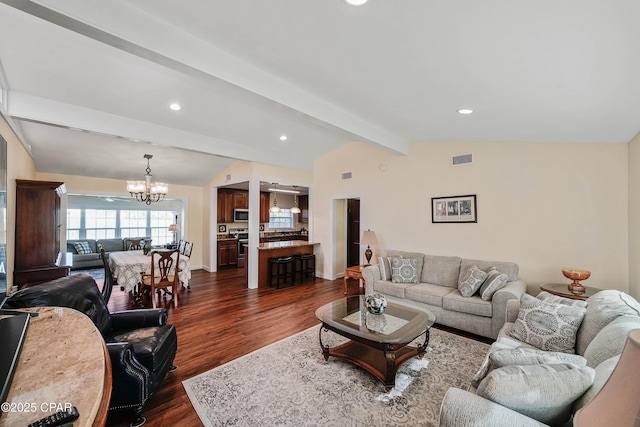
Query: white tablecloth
point(126, 267)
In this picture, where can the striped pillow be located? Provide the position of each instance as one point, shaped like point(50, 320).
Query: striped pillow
point(385, 268)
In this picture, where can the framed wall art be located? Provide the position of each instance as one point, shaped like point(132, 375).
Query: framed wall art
point(454, 209)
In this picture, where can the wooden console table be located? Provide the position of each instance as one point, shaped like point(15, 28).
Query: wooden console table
point(63, 361)
point(562, 290)
point(354, 272)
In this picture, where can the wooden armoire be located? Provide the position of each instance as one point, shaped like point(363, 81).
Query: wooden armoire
point(37, 256)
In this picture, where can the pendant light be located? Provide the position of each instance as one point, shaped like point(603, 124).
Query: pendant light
point(275, 208)
point(295, 209)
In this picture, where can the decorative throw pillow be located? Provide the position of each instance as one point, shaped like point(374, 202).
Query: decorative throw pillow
point(83, 248)
point(495, 281)
point(404, 270)
point(385, 268)
point(551, 327)
point(471, 280)
point(525, 356)
point(542, 392)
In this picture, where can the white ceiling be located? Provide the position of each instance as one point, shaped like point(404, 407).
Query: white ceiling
point(89, 82)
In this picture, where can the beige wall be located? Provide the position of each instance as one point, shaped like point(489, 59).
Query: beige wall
point(543, 206)
point(634, 216)
point(192, 197)
point(19, 166)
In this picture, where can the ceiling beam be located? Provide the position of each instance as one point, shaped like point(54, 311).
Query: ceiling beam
point(156, 41)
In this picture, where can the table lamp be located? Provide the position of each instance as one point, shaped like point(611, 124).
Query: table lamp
point(174, 229)
point(617, 403)
point(368, 238)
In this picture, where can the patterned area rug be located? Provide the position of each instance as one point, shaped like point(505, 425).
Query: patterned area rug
point(289, 383)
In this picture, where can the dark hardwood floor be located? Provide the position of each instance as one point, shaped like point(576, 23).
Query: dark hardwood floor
point(221, 320)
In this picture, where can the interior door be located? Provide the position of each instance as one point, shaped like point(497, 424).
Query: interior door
point(353, 232)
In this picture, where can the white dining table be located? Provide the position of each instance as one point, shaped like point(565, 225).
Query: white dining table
point(126, 267)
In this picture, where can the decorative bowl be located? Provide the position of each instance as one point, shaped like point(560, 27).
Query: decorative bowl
point(375, 303)
point(576, 275)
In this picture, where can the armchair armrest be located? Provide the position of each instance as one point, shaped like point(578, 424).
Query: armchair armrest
point(130, 378)
point(512, 291)
point(135, 319)
point(370, 273)
point(463, 409)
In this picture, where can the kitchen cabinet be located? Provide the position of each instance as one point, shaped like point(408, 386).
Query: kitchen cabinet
point(37, 239)
point(227, 253)
point(225, 205)
point(265, 205)
point(303, 204)
point(240, 199)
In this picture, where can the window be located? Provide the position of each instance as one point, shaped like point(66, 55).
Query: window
point(281, 220)
point(133, 224)
point(160, 221)
point(99, 224)
point(73, 223)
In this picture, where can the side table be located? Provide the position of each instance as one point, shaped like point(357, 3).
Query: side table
point(353, 272)
point(562, 290)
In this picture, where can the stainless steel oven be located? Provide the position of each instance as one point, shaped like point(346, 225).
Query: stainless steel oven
point(242, 234)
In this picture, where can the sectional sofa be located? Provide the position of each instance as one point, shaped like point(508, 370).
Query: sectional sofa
point(92, 259)
point(435, 285)
point(543, 375)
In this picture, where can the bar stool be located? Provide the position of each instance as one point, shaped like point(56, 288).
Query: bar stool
point(305, 266)
point(282, 269)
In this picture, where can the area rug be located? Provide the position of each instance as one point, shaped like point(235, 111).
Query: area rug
point(289, 383)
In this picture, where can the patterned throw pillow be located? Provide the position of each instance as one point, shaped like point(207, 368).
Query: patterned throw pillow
point(385, 268)
point(543, 392)
point(83, 248)
point(551, 327)
point(495, 281)
point(404, 270)
point(471, 280)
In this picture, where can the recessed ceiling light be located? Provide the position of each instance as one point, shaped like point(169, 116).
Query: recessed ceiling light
point(465, 111)
point(175, 106)
point(283, 137)
point(356, 2)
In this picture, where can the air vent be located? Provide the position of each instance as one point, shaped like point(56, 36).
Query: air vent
point(461, 159)
point(228, 177)
point(346, 175)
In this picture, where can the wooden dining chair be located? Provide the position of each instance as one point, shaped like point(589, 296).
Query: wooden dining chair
point(109, 281)
point(135, 244)
point(164, 275)
point(188, 247)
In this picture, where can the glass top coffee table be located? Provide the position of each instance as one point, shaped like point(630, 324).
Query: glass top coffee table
point(378, 343)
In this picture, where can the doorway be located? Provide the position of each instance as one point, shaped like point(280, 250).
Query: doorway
point(353, 232)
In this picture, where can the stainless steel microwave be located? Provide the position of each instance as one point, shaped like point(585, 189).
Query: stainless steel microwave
point(241, 215)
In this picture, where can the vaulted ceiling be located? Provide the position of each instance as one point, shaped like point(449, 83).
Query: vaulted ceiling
point(88, 83)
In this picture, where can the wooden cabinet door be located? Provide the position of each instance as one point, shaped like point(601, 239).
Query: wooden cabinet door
point(303, 204)
point(225, 205)
point(264, 206)
point(240, 199)
point(227, 253)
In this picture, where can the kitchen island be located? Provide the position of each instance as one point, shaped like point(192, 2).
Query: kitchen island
point(276, 250)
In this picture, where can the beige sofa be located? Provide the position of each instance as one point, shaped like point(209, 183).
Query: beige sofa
point(545, 391)
point(437, 291)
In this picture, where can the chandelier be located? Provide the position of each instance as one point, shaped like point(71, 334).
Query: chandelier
point(147, 191)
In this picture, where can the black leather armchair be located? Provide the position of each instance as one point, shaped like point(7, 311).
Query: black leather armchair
point(140, 343)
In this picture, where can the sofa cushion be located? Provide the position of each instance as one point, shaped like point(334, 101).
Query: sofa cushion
point(385, 268)
point(611, 339)
point(404, 270)
point(551, 327)
point(441, 270)
point(509, 268)
point(494, 282)
point(85, 257)
point(111, 245)
point(427, 293)
point(543, 392)
point(524, 356)
point(554, 299)
point(602, 309)
point(471, 281)
point(454, 301)
point(387, 287)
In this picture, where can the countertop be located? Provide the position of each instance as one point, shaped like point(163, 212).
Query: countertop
point(285, 244)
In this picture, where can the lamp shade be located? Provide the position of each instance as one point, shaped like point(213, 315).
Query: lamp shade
point(173, 227)
point(617, 403)
point(369, 238)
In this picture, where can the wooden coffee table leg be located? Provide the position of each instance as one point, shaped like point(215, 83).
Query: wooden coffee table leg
point(390, 374)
